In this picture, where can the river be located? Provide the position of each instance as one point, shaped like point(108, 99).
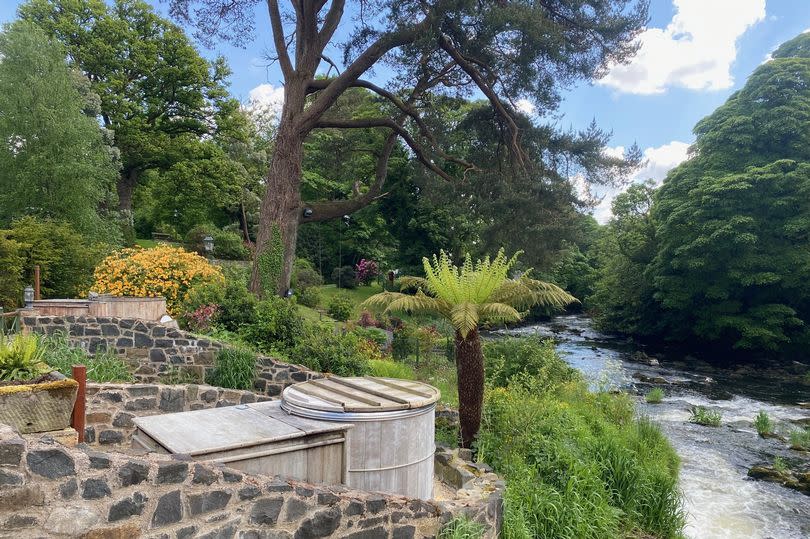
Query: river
point(721, 502)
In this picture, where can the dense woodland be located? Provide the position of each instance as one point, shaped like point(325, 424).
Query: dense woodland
point(119, 129)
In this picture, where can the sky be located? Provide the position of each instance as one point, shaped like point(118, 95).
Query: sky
point(694, 54)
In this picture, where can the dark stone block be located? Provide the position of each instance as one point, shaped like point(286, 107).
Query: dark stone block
point(266, 511)
point(143, 341)
point(247, 398)
point(123, 420)
point(91, 331)
point(20, 521)
point(374, 533)
point(172, 400)
point(259, 385)
point(99, 461)
point(157, 355)
point(164, 343)
point(327, 498)
point(109, 330)
point(50, 463)
point(304, 492)
point(158, 331)
point(296, 509)
point(11, 452)
point(375, 504)
point(172, 472)
point(372, 522)
point(142, 390)
point(126, 323)
point(89, 435)
point(124, 342)
point(186, 533)
point(95, 489)
point(112, 396)
point(208, 501)
point(323, 524)
point(169, 509)
point(175, 359)
point(203, 475)
point(127, 507)
point(110, 437)
point(278, 485)
point(144, 403)
point(273, 390)
point(181, 342)
point(76, 330)
point(300, 376)
point(10, 478)
point(140, 327)
point(249, 492)
point(173, 334)
point(397, 516)
point(354, 508)
point(133, 473)
point(209, 395)
point(231, 476)
point(227, 532)
point(68, 489)
point(404, 532)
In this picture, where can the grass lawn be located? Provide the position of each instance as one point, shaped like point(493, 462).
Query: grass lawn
point(146, 244)
point(357, 295)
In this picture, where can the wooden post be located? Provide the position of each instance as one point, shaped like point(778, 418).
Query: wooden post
point(77, 419)
point(36, 283)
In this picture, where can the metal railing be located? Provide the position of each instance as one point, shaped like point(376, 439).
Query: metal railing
point(9, 322)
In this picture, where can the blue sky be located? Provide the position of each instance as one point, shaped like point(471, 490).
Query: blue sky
point(694, 54)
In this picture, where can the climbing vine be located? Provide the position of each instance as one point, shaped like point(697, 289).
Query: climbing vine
point(271, 261)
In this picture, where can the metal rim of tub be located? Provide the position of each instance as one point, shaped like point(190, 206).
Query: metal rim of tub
point(354, 416)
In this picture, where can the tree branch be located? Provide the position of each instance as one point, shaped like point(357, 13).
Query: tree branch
point(278, 39)
point(331, 21)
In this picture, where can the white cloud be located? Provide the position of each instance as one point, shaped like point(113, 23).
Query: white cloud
point(658, 161)
point(264, 104)
point(694, 51)
point(525, 106)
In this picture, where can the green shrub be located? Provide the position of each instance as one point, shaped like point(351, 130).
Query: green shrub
point(391, 369)
point(526, 358)
point(800, 439)
point(780, 465)
point(305, 275)
point(238, 306)
point(461, 527)
point(344, 277)
point(22, 357)
point(12, 264)
point(308, 297)
point(276, 325)
point(340, 307)
point(227, 245)
point(411, 339)
point(578, 464)
point(654, 396)
point(703, 416)
point(323, 350)
point(103, 366)
point(763, 424)
point(377, 336)
point(234, 368)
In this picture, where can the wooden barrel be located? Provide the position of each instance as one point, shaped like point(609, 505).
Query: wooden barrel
point(392, 443)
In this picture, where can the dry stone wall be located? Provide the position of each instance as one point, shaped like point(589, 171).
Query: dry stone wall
point(153, 349)
point(50, 490)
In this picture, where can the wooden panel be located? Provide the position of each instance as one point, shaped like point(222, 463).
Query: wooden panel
point(366, 394)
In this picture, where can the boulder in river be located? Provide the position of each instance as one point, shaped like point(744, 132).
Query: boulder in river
point(641, 377)
point(796, 480)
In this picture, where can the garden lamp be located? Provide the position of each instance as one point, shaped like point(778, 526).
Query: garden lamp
point(208, 244)
point(28, 296)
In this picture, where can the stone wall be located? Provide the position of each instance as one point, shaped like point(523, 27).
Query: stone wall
point(111, 408)
point(153, 349)
point(51, 490)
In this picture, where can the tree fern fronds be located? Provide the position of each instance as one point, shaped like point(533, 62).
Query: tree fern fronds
point(464, 317)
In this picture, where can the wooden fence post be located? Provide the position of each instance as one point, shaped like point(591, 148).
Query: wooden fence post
point(36, 283)
point(77, 419)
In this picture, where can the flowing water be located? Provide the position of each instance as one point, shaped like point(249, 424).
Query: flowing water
point(720, 499)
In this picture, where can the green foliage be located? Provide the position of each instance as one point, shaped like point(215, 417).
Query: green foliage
point(234, 368)
point(271, 261)
point(763, 424)
point(703, 416)
point(579, 464)
point(308, 297)
point(461, 527)
point(22, 357)
point(305, 275)
point(654, 396)
point(176, 375)
point(340, 307)
point(344, 277)
point(391, 369)
point(412, 340)
point(12, 264)
point(227, 245)
point(321, 349)
point(65, 258)
point(372, 334)
point(55, 162)
point(780, 465)
point(516, 360)
point(276, 325)
point(800, 439)
point(103, 366)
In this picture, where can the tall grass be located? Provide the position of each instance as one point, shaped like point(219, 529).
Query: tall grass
point(461, 527)
point(103, 366)
point(234, 368)
point(763, 424)
point(654, 396)
point(391, 369)
point(703, 416)
point(578, 464)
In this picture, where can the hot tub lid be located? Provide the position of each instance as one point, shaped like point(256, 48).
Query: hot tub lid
point(367, 394)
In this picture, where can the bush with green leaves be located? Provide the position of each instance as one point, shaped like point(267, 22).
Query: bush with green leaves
point(344, 277)
point(103, 366)
point(322, 349)
point(800, 439)
point(12, 263)
point(579, 464)
point(654, 396)
point(305, 275)
point(22, 357)
point(375, 335)
point(517, 358)
point(391, 369)
point(413, 340)
point(276, 325)
point(308, 297)
point(234, 368)
point(340, 307)
point(236, 304)
point(228, 245)
point(703, 416)
point(763, 424)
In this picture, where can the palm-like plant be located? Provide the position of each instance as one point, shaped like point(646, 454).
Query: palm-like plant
point(468, 296)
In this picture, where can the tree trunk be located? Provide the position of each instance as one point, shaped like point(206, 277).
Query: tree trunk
point(470, 369)
point(281, 205)
point(126, 187)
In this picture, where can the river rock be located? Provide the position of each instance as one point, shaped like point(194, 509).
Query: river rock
point(650, 379)
point(799, 481)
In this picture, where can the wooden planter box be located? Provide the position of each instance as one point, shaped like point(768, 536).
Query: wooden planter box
point(38, 407)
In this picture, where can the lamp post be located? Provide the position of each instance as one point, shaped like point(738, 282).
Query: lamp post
point(28, 297)
point(208, 245)
point(346, 220)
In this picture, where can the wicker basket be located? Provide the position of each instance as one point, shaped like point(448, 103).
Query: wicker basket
point(38, 407)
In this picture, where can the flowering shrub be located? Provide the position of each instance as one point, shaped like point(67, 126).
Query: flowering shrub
point(366, 271)
point(166, 271)
point(367, 320)
point(202, 318)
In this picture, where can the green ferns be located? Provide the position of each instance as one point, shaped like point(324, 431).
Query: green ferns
point(21, 357)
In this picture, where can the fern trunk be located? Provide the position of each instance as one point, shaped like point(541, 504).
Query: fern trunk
point(470, 369)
